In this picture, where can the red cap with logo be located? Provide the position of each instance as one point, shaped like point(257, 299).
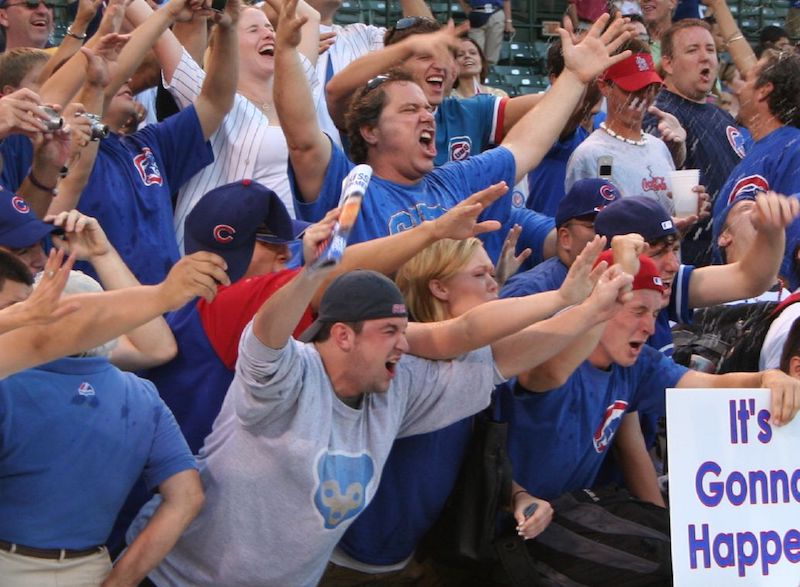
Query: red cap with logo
point(634, 73)
point(648, 276)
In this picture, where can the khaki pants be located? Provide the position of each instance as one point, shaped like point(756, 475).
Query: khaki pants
point(490, 36)
point(414, 574)
point(17, 570)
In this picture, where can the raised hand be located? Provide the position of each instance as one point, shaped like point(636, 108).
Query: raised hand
point(315, 238)
point(613, 289)
point(461, 221)
point(326, 41)
point(45, 305)
point(669, 127)
point(196, 275)
point(289, 26)
point(595, 53)
point(583, 275)
point(774, 212)
point(509, 262)
point(21, 113)
point(83, 236)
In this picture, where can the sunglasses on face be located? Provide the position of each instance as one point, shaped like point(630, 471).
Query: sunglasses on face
point(32, 4)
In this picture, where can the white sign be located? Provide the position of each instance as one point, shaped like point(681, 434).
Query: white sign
point(734, 486)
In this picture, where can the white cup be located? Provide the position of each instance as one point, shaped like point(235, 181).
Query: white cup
point(683, 182)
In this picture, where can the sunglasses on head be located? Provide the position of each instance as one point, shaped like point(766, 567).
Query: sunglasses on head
point(409, 21)
point(376, 82)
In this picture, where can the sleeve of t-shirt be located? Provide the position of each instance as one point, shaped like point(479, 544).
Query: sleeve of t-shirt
point(17, 155)
point(187, 81)
point(490, 114)
point(479, 172)
point(679, 309)
point(659, 372)
point(338, 168)
point(443, 392)
point(535, 228)
point(169, 453)
point(176, 137)
point(225, 318)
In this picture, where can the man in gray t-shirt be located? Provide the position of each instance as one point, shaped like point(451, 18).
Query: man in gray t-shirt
point(298, 448)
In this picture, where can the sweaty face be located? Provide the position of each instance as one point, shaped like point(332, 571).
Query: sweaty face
point(376, 351)
point(692, 69)
point(405, 136)
point(738, 233)
point(26, 27)
point(628, 331)
point(629, 108)
point(468, 59)
point(748, 99)
point(435, 74)
point(666, 257)
point(13, 292)
point(256, 43)
point(472, 285)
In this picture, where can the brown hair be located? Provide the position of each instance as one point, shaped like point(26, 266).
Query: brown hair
point(365, 110)
point(782, 70)
point(667, 39)
point(17, 63)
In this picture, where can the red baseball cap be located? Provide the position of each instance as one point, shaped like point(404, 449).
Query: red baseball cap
point(634, 73)
point(648, 276)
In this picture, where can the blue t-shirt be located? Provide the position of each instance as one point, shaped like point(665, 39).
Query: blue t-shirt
point(772, 163)
point(547, 276)
point(131, 186)
point(467, 127)
point(17, 154)
point(575, 424)
point(75, 434)
point(390, 207)
point(546, 181)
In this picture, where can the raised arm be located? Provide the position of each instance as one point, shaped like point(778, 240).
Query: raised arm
point(73, 40)
point(104, 316)
point(345, 83)
point(532, 137)
point(309, 30)
point(277, 318)
point(742, 53)
point(758, 269)
point(182, 496)
point(309, 147)
point(149, 345)
point(492, 321)
point(222, 71)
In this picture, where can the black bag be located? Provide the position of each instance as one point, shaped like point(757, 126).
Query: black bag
point(596, 538)
point(467, 526)
point(726, 338)
point(478, 18)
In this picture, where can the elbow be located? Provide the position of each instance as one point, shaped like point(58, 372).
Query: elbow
point(165, 351)
point(544, 378)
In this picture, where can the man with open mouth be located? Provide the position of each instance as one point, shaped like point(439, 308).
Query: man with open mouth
point(26, 23)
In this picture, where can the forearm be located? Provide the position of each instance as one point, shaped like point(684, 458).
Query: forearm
point(38, 196)
point(385, 255)
point(278, 317)
point(740, 50)
point(554, 372)
point(345, 83)
point(219, 87)
point(154, 26)
point(193, 35)
point(309, 40)
point(155, 36)
point(542, 341)
point(637, 466)
point(480, 326)
point(678, 152)
point(518, 107)
point(415, 8)
point(157, 538)
point(101, 317)
point(532, 137)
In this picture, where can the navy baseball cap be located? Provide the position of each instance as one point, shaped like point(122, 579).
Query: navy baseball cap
point(19, 226)
point(355, 296)
point(226, 220)
point(639, 214)
point(585, 197)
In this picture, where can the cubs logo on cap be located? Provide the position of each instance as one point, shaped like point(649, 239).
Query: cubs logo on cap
point(19, 226)
point(223, 233)
point(20, 205)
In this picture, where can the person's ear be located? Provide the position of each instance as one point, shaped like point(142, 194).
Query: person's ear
point(438, 290)
point(763, 93)
point(794, 367)
point(666, 65)
point(343, 336)
point(369, 134)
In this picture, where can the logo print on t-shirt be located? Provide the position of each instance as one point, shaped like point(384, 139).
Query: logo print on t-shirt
point(736, 139)
point(750, 185)
point(147, 167)
point(656, 183)
point(342, 482)
point(460, 148)
point(610, 424)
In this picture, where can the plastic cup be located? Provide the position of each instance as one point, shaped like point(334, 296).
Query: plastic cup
point(684, 198)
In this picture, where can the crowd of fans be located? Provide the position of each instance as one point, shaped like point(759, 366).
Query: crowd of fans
point(202, 404)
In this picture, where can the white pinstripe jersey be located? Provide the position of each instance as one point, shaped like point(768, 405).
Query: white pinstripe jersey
point(352, 41)
point(243, 139)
